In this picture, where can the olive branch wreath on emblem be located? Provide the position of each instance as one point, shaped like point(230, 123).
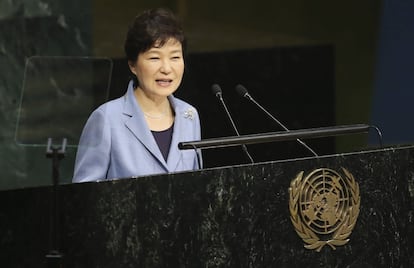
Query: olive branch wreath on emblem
point(340, 237)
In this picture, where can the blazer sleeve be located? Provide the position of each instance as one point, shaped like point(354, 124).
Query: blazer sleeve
point(93, 154)
point(198, 163)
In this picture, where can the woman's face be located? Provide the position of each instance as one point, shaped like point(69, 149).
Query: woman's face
point(160, 69)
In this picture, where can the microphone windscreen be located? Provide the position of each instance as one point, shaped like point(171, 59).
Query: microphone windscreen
point(216, 89)
point(241, 90)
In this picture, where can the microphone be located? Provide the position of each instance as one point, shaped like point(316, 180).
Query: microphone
point(245, 94)
point(218, 93)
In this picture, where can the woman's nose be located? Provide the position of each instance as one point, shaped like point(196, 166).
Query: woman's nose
point(165, 66)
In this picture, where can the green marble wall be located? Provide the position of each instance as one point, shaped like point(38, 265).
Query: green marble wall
point(29, 28)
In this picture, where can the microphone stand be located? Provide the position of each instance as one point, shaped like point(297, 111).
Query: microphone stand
point(56, 153)
point(280, 124)
point(220, 97)
point(244, 93)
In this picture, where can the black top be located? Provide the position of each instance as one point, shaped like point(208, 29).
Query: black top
point(163, 139)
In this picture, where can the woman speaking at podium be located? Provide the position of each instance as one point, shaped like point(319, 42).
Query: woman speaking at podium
point(138, 133)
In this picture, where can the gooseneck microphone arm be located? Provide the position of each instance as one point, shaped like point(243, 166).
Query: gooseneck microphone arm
point(218, 93)
point(244, 93)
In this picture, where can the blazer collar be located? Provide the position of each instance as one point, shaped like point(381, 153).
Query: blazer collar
point(136, 123)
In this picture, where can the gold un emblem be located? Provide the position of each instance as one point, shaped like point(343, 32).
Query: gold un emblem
point(324, 207)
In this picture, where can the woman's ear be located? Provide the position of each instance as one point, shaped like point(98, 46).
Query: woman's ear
point(132, 66)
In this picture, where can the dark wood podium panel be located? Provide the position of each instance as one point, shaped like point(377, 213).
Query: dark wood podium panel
point(236, 216)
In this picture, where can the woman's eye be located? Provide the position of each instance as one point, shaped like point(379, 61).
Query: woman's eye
point(153, 58)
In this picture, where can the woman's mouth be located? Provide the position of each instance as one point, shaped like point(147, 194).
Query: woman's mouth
point(164, 82)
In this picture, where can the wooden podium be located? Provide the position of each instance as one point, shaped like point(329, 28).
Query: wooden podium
point(344, 210)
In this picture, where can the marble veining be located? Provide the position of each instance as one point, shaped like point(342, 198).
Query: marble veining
point(222, 217)
point(34, 28)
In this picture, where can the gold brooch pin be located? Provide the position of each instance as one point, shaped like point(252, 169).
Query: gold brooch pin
point(189, 113)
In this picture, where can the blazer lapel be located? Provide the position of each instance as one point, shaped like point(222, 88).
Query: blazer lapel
point(175, 154)
point(135, 122)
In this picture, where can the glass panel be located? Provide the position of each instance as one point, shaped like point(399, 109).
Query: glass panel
point(58, 95)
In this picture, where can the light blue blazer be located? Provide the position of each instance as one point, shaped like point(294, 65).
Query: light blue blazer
point(117, 143)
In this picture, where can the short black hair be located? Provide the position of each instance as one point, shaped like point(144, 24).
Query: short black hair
point(150, 28)
point(153, 26)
